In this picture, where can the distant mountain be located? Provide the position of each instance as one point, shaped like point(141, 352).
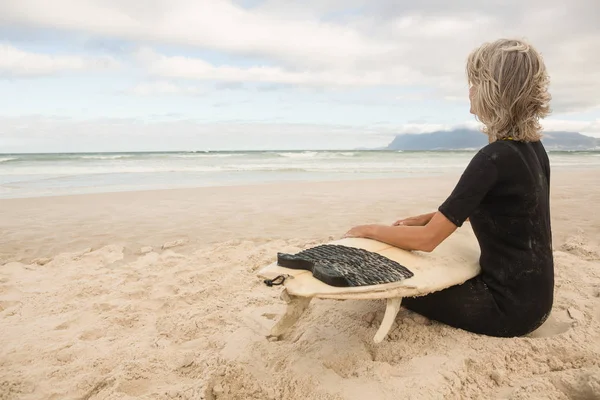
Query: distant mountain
point(569, 141)
point(467, 139)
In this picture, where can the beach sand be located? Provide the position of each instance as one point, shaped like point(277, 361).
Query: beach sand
point(154, 295)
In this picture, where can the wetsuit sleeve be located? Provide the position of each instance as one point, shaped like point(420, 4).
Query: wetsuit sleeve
point(476, 181)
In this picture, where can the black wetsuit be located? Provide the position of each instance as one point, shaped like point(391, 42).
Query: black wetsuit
point(505, 194)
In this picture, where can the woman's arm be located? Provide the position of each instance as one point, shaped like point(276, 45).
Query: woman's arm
point(422, 238)
point(419, 220)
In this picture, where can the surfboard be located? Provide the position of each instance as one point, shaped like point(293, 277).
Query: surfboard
point(453, 262)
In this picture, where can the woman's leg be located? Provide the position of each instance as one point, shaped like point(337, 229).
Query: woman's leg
point(469, 306)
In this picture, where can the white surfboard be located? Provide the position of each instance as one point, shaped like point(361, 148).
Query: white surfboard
point(455, 261)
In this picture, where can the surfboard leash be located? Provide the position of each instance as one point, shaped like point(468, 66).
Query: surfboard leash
point(278, 280)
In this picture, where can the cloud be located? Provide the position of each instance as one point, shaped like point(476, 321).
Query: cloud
point(198, 69)
point(164, 88)
point(19, 63)
point(47, 134)
point(336, 43)
point(213, 24)
point(590, 128)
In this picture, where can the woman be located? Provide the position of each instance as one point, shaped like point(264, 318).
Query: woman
point(504, 192)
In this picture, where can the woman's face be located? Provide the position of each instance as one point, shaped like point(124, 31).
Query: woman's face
point(471, 94)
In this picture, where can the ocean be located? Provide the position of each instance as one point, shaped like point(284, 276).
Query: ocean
point(34, 175)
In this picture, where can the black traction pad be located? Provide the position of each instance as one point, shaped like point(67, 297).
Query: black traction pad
point(344, 266)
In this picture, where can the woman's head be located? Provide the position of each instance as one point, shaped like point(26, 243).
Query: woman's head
point(508, 89)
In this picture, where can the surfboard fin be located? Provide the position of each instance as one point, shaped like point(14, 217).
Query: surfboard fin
point(295, 308)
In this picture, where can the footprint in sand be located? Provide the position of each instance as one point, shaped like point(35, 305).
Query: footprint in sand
point(91, 335)
point(63, 326)
point(578, 246)
point(134, 387)
point(13, 386)
point(104, 307)
point(69, 324)
point(583, 384)
point(270, 316)
point(10, 301)
point(8, 305)
point(556, 324)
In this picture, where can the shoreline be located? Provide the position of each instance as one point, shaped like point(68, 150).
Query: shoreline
point(467, 150)
point(80, 174)
point(238, 185)
point(241, 184)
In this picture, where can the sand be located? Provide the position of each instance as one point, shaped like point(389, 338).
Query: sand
point(154, 295)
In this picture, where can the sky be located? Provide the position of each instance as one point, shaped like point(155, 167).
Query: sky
point(152, 75)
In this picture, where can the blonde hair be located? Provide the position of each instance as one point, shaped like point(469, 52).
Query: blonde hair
point(510, 89)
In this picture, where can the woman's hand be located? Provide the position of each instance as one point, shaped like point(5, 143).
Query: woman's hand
point(361, 231)
point(419, 220)
point(423, 236)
